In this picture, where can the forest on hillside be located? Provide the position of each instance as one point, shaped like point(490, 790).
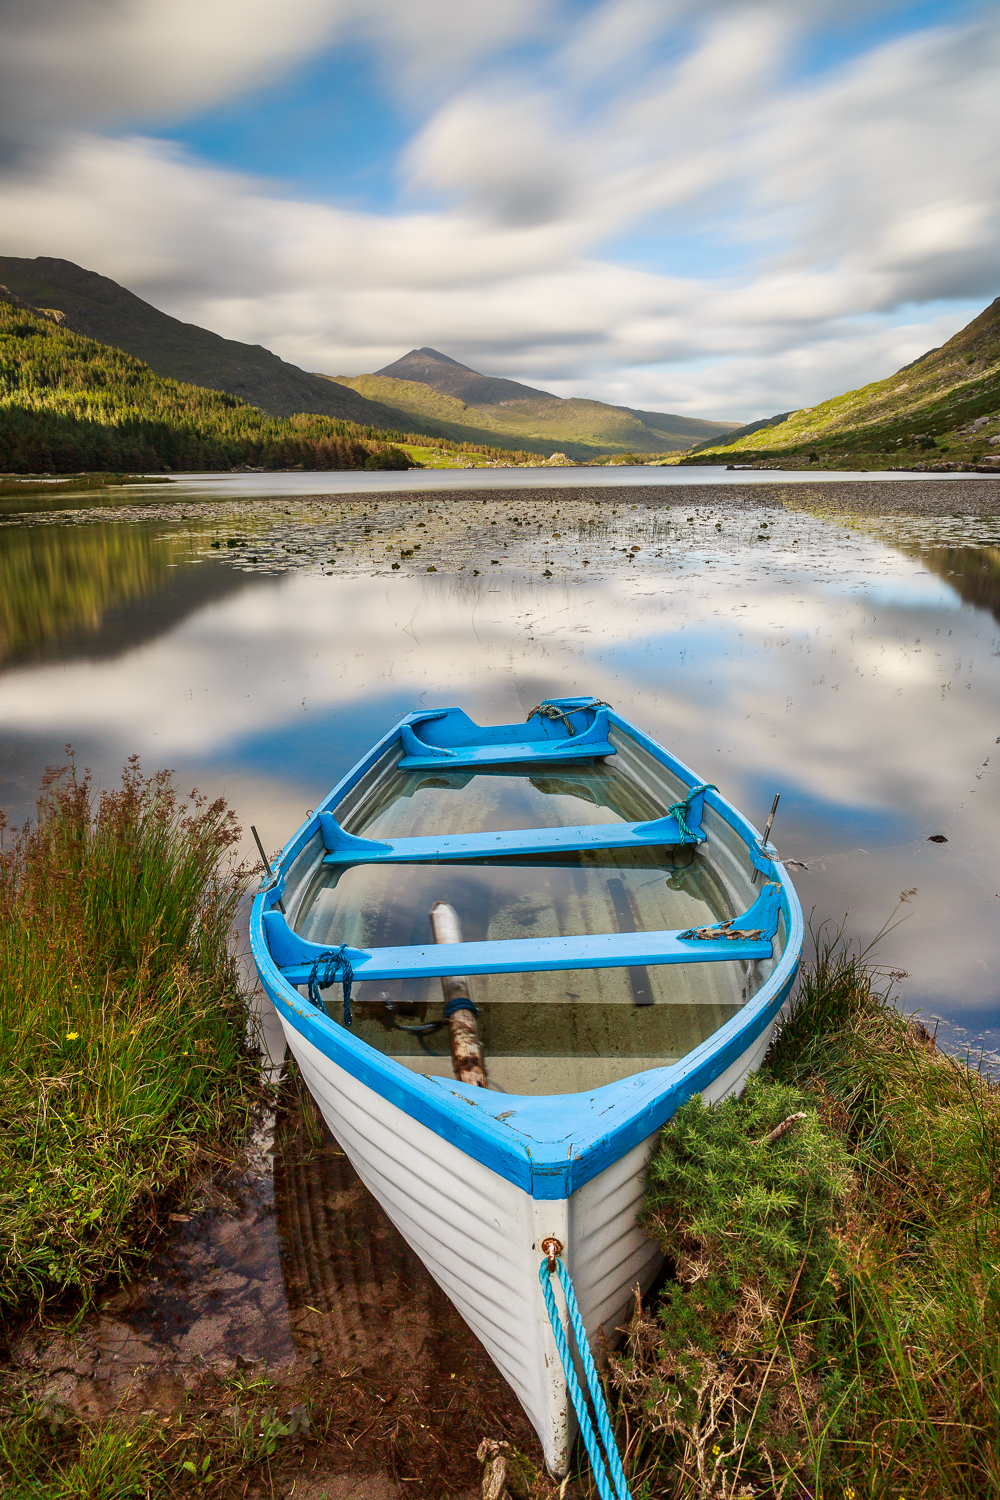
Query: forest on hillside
point(69, 405)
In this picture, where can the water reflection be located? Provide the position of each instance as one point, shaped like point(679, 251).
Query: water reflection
point(95, 591)
point(973, 571)
point(620, 480)
point(356, 1292)
point(861, 680)
point(294, 1264)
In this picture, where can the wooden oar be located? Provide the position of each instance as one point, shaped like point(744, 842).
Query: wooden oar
point(466, 1049)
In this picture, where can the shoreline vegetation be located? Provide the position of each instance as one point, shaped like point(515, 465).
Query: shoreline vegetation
point(827, 1324)
point(69, 405)
point(831, 1325)
point(124, 1057)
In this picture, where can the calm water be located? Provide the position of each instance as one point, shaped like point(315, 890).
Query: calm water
point(559, 1032)
point(222, 487)
point(259, 652)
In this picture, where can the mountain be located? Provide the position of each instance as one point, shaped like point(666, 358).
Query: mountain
point(461, 403)
point(941, 412)
point(100, 309)
point(68, 403)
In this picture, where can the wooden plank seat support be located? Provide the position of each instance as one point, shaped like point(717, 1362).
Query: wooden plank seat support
point(718, 943)
point(347, 849)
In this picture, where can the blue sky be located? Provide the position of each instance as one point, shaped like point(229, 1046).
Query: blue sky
point(707, 206)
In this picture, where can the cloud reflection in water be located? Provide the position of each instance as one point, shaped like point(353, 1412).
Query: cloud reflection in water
point(827, 665)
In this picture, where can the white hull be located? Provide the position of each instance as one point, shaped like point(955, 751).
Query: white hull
point(479, 1235)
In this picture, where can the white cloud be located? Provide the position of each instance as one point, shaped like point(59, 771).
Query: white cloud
point(838, 198)
point(83, 63)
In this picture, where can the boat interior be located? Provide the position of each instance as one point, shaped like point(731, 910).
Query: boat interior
point(595, 852)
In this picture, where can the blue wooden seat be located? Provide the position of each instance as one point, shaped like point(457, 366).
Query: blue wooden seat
point(577, 730)
point(347, 849)
point(743, 938)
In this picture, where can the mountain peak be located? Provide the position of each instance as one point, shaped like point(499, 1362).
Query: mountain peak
point(428, 366)
point(445, 359)
point(442, 373)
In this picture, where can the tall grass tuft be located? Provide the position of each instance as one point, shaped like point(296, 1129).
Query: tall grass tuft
point(123, 1048)
point(816, 1341)
point(923, 1128)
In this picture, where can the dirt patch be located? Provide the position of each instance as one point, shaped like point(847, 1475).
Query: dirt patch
point(287, 1300)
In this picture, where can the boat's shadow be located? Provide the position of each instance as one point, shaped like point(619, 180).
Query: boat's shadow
point(359, 1300)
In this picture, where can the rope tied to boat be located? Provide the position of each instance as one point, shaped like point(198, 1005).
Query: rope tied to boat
point(609, 1476)
point(549, 711)
point(680, 810)
point(461, 1002)
point(330, 966)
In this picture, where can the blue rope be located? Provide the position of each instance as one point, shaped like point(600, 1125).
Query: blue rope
point(462, 1003)
point(601, 1466)
point(328, 968)
point(680, 810)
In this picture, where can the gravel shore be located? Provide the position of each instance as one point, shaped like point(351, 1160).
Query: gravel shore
point(908, 497)
point(973, 496)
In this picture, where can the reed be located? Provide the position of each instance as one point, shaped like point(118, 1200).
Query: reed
point(123, 1051)
point(813, 1342)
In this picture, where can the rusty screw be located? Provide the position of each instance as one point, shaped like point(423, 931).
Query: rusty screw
point(552, 1247)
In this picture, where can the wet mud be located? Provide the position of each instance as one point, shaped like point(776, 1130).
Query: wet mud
point(288, 1282)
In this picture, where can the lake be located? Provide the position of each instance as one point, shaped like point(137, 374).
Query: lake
point(835, 642)
point(257, 641)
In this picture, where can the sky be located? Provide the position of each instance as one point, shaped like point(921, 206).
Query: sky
point(722, 208)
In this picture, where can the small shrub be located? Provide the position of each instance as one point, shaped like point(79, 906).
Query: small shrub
point(738, 1368)
point(390, 458)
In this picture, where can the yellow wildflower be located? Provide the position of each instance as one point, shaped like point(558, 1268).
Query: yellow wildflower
point(71, 1036)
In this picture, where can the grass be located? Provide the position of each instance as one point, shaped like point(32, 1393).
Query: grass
point(582, 429)
point(940, 412)
point(243, 1431)
point(123, 1051)
point(828, 1327)
point(831, 1325)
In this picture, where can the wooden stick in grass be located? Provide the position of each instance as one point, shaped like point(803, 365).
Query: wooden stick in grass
point(780, 1130)
point(466, 1048)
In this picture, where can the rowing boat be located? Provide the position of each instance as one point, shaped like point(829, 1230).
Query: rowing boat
point(628, 939)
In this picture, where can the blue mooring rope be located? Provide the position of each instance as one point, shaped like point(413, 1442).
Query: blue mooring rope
point(462, 1003)
point(601, 1465)
point(680, 810)
point(328, 968)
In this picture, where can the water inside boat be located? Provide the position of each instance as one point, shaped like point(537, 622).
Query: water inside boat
point(542, 1033)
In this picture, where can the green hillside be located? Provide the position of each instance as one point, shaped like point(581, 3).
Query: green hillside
point(69, 404)
point(457, 402)
point(93, 305)
point(941, 412)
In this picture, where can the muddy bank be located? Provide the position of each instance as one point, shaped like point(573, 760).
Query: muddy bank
point(914, 497)
point(875, 497)
point(285, 1297)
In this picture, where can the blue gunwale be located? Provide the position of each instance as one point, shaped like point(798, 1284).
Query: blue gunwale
point(548, 1145)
